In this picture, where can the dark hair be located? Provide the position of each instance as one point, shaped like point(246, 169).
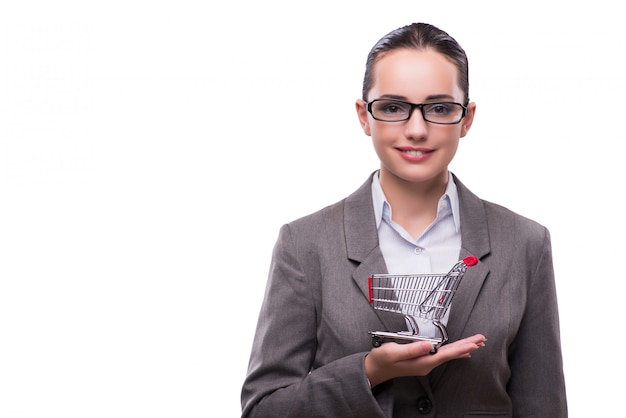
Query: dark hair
point(419, 36)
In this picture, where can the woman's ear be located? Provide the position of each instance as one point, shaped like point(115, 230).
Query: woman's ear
point(361, 110)
point(467, 121)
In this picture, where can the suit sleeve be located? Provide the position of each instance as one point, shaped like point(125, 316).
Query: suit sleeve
point(537, 385)
point(281, 380)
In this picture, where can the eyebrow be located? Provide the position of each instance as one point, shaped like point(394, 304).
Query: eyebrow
point(428, 98)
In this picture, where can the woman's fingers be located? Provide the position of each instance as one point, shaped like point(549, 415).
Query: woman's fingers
point(461, 348)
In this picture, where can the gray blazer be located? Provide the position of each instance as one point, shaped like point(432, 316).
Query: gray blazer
point(312, 332)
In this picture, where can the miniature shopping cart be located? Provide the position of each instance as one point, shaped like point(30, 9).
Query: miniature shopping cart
point(424, 297)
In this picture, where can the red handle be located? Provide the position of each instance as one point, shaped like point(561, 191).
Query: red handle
point(470, 260)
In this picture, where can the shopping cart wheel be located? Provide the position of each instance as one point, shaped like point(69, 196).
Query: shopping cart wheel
point(434, 349)
point(377, 341)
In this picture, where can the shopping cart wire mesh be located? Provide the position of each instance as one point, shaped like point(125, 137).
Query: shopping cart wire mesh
point(416, 296)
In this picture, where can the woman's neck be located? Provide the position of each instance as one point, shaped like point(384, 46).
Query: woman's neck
point(414, 205)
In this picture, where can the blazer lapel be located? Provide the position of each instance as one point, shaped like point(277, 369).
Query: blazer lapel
point(474, 241)
point(363, 248)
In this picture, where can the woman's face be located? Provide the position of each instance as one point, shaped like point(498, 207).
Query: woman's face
point(415, 150)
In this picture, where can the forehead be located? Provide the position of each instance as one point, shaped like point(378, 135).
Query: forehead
point(416, 75)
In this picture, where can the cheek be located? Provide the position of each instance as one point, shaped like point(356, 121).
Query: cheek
point(383, 140)
point(378, 136)
point(451, 133)
point(452, 145)
point(383, 132)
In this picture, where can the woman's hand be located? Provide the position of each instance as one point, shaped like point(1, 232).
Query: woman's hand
point(394, 360)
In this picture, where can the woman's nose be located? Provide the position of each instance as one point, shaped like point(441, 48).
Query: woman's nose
point(416, 126)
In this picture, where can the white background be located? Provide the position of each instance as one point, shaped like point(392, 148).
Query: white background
point(149, 152)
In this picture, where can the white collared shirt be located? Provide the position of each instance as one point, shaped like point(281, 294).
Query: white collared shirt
point(435, 251)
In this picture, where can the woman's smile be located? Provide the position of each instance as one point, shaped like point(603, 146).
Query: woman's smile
point(415, 154)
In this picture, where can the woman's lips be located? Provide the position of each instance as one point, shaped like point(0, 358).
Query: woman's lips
point(415, 154)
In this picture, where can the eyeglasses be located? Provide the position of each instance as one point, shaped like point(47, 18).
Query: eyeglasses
point(391, 110)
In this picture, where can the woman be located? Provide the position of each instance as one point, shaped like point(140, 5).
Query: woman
point(312, 354)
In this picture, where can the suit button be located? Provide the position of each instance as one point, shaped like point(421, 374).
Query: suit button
point(424, 405)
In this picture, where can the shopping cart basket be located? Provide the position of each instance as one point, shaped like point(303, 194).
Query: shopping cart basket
point(417, 296)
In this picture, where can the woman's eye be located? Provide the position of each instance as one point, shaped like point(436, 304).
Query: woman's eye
point(438, 109)
point(393, 108)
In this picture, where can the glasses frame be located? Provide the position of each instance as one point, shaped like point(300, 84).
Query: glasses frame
point(420, 106)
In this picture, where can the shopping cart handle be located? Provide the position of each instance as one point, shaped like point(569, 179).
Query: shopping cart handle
point(470, 260)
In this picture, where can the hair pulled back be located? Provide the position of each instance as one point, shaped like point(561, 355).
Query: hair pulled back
point(419, 36)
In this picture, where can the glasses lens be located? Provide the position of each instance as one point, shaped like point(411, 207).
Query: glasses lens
point(443, 112)
point(389, 110)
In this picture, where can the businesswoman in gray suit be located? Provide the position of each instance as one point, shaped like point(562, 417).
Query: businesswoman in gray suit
point(312, 355)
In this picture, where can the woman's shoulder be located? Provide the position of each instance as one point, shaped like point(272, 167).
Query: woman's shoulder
point(507, 216)
point(496, 215)
point(356, 205)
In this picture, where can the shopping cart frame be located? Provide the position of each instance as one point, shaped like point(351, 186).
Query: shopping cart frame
point(416, 296)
